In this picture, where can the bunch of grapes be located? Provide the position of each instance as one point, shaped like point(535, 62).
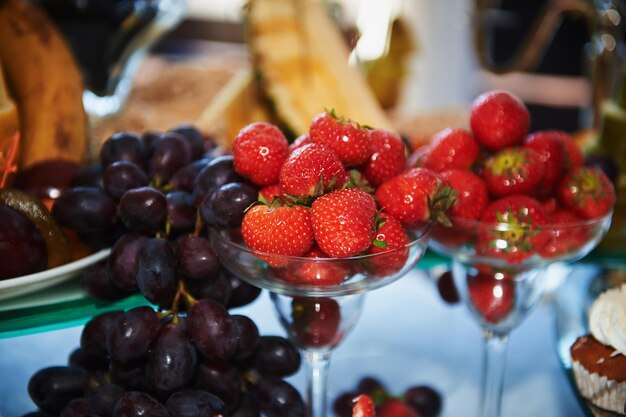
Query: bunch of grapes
point(151, 198)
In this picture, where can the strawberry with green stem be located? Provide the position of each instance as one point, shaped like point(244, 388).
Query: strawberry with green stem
point(388, 157)
point(514, 170)
point(587, 191)
point(389, 246)
point(451, 149)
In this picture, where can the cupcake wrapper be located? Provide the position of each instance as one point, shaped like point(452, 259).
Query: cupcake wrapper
point(599, 390)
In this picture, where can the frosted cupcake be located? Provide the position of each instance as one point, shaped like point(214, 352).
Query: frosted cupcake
point(599, 358)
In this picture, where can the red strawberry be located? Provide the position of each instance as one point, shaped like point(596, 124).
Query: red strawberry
point(471, 196)
point(311, 170)
point(415, 197)
point(316, 321)
point(391, 234)
point(499, 119)
point(513, 171)
point(566, 239)
point(282, 230)
point(259, 151)
point(269, 192)
point(300, 141)
point(343, 222)
point(572, 154)
point(316, 273)
point(347, 138)
point(388, 158)
point(587, 191)
point(522, 237)
point(395, 407)
point(451, 148)
point(363, 407)
point(492, 295)
point(551, 154)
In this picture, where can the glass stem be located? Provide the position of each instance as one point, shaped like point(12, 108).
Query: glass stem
point(493, 372)
point(317, 377)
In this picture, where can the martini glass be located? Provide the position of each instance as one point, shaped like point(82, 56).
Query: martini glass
point(499, 270)
point(318, 314)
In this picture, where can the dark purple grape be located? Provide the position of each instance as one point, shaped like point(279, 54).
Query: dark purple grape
point(447, 288)
point(223, 381)
point(96, 281)
point(132, 334)
point(196, 258)
point(225, 206)
point(149, 139)
point(248, 407)
point(218, 172)
point(136, 403)
point(122, 176)
point(94, 334)
point(242, 293)
point(92, 364)
point(171, 153)
point(123, 261)
point(370, 385)
point(37, 414)
point(184, 178)
point(47, 179)
point(89, 175)
point(342, 406)
point(53, 387)
point(276, 356)
point(212, 330)
point(193, 403)
point(122, 146)
point(143, 210)
point(128, 375)
point(606, 163)
point(102, 239)
point(278, 398)
point(156, 272)
point(76, 408)
point(423, 399)
point(103, 398)
point(22, 248)
point(181, 212)
point(248, 337)
point(171, 363)
point(217, 289)
point(193, 136)
point(85, 209)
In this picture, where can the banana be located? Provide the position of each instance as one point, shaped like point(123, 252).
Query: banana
point(9, 135)
point(46, 84)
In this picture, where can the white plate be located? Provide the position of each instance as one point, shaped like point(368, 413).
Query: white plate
point(14, 287)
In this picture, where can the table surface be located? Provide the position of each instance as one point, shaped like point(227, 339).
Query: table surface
point(406, 336)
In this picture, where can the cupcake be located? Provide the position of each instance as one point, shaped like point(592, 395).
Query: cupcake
point(599, 358)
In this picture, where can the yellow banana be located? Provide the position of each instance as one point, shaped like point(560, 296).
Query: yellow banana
point(9, 135)
point(46, 84)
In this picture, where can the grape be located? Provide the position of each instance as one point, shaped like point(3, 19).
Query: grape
point(89, 175)
point(369, 384)
point(94, 365)
point(181, 213)
point(193, 136)
point(278, 398)
point(132, 334)
point(425, 400)
point(149, 139)
point(225, 206)
point(101, 239)
point(53, 387)
point(193, 403)
point(96, 281)
point(143, 210)
point(76, 408)
point(85, 209)
point(21, 243)
point(217, 289)
point(222, 381)
point(47, 179)
point(342, 406)
point(196, 257)
point(122, 146)
point(136, 403)
point(37, 414)
point(122, 176)
point(447, 288)
point(248, 407)
point(212, 330)
point(171, 152)
point(102, 399)
point(218, 172)
point(242, 293)
point(248, 337)
point(123, 261)
point(171, 362)
point(129, 375)
point(184, 178)
point(156, 272)
point(276, 356)
point(93, 336)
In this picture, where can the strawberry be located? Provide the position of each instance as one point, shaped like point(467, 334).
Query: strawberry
point(348, 139)
point(300, 141)
point(316, 321)
point(522, 237)
point(316, 273)
point(572, 154)
point(588, 191)
point(259, 151)
point(568, 238)
point(310, 171)
point(499, 119)
point(395, 407)
point(491, 294)
point(270, 192)
point(513, 170)
point(552, 155)
point(415, 197)
point(343, 222)
point(471, 193)
point(390, 237)
point(278, 229)
point(388, 158)
point(451, 148)
point(363, 407)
